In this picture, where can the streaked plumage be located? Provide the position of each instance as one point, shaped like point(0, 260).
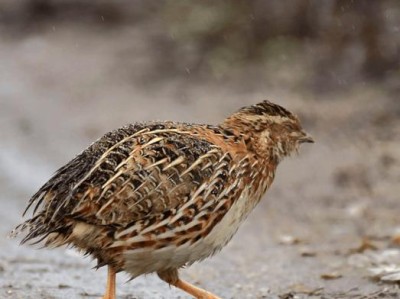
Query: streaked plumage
point(155, 196)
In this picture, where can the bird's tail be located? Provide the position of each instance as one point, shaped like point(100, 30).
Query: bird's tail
point(18, 230)
point(34, 229)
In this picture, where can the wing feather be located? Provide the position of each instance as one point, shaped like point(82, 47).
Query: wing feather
point(132, 173)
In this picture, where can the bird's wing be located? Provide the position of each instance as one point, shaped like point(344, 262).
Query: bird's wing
point(134, 173)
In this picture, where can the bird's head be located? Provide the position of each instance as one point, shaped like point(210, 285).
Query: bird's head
point(270, 129)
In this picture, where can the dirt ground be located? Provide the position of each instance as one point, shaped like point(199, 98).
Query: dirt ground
point(328, 227)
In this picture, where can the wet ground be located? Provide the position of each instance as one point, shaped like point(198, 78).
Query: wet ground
point(328, 227)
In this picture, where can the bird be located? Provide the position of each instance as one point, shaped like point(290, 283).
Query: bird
point(154, 197)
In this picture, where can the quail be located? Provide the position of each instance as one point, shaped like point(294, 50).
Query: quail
point(153, 197)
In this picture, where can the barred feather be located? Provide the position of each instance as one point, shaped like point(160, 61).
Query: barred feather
point(177, 191)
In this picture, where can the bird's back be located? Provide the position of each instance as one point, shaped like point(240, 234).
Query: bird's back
point(171, 181)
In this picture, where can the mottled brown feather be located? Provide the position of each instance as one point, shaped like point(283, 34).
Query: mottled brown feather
point(157, 185)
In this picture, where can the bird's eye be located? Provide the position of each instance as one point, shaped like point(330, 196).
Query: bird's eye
point(289, 127)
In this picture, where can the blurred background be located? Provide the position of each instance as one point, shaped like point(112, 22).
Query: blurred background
point(72, 70)
point(335, 43)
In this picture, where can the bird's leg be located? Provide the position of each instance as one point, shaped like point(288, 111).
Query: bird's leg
point(194, 291)
point(110, 290)
point(171, 277)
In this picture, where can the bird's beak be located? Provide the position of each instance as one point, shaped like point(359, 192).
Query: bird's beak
point(306, 139)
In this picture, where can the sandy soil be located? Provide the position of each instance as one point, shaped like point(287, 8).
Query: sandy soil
point(62, 88)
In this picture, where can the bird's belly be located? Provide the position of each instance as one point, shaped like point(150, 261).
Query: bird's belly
point(142, 261)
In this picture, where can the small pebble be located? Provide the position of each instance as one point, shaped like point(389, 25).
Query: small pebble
point(331, 276)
